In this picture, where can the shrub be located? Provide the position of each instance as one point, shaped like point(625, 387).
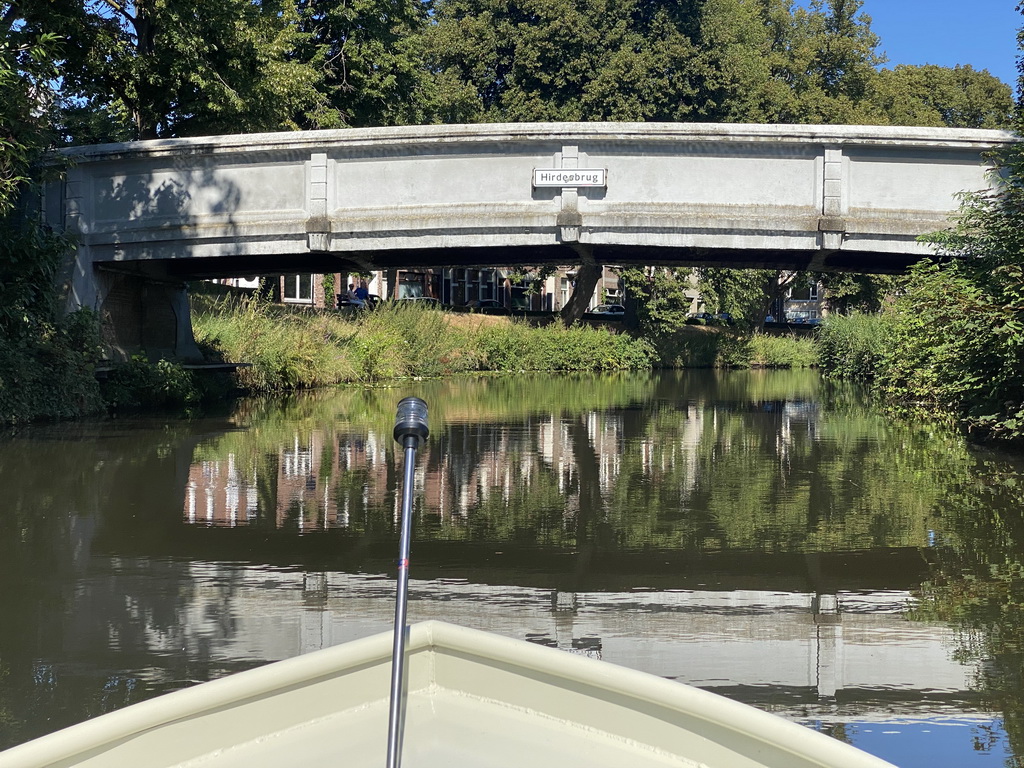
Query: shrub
point(852, 346)
point(140, 384)
point(46, 358)
point(958, 350)
point(768, 351)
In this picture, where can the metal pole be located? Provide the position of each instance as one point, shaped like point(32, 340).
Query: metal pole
point(410, 430)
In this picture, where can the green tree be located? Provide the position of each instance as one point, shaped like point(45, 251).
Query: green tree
point(847, 292)
point(159, 68)
point(767, 61)
point(797, 64)
point(44, 358)
point(958, 336)
point(658, 297)
point(370, 53)
point(539, 60)
point(958, 97)
point(746, 293)
point(26, 70)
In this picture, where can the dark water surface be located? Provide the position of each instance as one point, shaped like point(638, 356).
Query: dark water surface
point(759, 534)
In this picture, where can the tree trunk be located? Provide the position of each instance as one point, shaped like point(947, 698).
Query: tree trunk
point(586, 280)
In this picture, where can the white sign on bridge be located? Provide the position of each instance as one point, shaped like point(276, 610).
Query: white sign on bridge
point(570, 177)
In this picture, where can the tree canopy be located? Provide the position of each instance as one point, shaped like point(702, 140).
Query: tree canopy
point(161, 68)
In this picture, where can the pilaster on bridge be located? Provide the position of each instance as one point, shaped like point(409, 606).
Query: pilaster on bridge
point(149, 215)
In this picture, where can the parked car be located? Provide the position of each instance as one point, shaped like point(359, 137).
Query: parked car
point(609, 309)
point(706, 318)
point(700, 318)
point(488, 306)
point(423, 301)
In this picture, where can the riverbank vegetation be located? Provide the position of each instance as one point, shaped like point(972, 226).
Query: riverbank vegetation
point(45, 357)
point(287, 348)
point(290, 348)
point(260, 66)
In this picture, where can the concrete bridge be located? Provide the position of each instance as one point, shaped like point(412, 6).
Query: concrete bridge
point(150, 215)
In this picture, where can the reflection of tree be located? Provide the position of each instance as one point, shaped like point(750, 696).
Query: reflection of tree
point(978, 584)
point(70, 494)
point(703, 460)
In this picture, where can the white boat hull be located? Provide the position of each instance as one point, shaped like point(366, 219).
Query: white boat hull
point(474, 699)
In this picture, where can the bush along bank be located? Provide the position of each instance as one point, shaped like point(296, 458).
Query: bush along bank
point(55, 371)
point(932, 356)
point(46, 359)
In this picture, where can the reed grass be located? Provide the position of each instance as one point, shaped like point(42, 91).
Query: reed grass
point(288, 348)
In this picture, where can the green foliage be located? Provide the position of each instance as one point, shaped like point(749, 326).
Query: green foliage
point(369, 51)
point(520, 347)
point(659, 296)
point(957, 348)
point(286, 350)
point(745, 294)
point(958, 341)
point(958, 97)
point(848, 292)
point(46, 370)
point(773, 62)
point(289, 349)
point(330, 289)
point(769, 351)
point(193, 67)
point(406, 339)
point(181, 67)
point(686, 348)
point(853, 346)
point(143, 385)
point(46, 359)
point(951, 345)
point(720, 60)
point(26, 72)
point(560, 60)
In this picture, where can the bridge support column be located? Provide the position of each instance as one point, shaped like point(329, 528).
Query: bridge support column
point(139, 313)
point(832, 224)
point(143, 315)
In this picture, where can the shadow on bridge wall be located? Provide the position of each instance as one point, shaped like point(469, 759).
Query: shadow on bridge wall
point(143, 305)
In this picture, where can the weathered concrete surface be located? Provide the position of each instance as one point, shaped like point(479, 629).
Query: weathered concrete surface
point(824, 197)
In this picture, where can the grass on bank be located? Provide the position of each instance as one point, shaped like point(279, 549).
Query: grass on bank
point(290, 348)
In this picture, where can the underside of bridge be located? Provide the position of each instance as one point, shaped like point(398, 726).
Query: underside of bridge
point(512, 256)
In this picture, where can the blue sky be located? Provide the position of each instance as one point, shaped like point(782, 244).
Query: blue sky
point(982, 33)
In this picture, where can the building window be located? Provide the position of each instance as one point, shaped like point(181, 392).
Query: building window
point(298, 288)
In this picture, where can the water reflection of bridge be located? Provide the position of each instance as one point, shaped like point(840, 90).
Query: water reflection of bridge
point(848, 656)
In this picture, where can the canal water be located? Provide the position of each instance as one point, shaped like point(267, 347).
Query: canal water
point(764, 535)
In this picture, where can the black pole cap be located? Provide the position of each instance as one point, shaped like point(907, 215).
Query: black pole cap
point(411, 421)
